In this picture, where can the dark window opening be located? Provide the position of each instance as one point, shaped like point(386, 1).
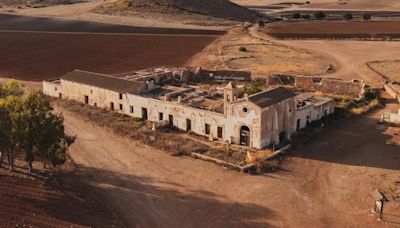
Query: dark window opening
point(131, 109)
point(298, 125)
point(171, 120)
point(188, 125)
point(120, 96)
point(219, 133)
point(121, 107)
point(245, 136)
point(86, 99)
point(144, 113)
point(160, 116)
point(207, 127)
point(112, 106)
point(245, 110)
point(59, 95)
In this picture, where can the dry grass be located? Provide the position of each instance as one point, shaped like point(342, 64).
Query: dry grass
point(261, 57)
point(389, 69)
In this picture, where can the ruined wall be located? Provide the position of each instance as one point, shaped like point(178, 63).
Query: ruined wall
point(312, 113)
point(180, 114)
point(52, 88)
point(330, 86)
point(230, 75)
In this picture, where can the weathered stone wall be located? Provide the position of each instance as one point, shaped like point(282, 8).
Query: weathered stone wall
point(229, 75)
point(312, 113)
point(330, 86)
point(277, 119)
point(52, 88)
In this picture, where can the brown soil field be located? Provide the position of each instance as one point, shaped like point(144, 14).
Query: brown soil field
point(38, 56)
point(335, 30)
point(41, 201)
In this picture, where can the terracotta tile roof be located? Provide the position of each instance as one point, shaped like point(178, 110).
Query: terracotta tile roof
point(105, 82)
point(270, 97)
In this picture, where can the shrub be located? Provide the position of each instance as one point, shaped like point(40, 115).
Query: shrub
point(366, 16)
point(260, 23)
point(242, 49)
point(296, 15)
point(305, 16)
point(319, 15)
point(348, 16)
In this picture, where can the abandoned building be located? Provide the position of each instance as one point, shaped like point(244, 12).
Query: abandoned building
point(220, 112)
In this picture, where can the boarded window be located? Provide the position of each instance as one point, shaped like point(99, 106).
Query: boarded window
point(220, 130)
point(207, 127)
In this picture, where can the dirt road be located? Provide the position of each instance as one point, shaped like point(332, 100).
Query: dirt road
point(325, 183)
point(348, 56)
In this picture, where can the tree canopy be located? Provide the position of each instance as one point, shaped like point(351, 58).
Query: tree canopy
point(29, 126)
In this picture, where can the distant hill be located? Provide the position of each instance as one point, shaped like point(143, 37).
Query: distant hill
point(213, 8)
point(17, 3)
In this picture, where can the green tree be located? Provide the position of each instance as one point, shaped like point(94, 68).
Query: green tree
point(366, 16)
point(348, 16)
point(43, 132)
point(5, 131)
point(319, 15)
point(296, 15)
point(11, 88)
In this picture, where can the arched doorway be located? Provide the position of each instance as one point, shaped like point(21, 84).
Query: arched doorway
point(244, 136)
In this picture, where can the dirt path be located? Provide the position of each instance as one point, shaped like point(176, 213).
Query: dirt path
point(326, 183)
point(349, 57)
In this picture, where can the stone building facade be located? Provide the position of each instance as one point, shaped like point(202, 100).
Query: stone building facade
point(256, 121)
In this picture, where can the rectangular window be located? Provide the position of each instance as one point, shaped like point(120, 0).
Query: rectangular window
point(86, 99)
point(220, 130)
point(188, 125)
point(112, 106)
point(171, 120)
point(131, 109)
point(144, 113)
point(120, 96)
point(160, 116)
point(121, 107)
point(207, 127)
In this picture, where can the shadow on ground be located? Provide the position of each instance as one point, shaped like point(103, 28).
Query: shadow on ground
point(358, 141)
point(102, 198)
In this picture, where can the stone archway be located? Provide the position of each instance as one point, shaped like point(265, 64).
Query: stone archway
point(245, 136)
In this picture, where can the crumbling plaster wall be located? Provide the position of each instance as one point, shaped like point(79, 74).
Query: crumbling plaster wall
point(97, 96)
point(180, 114)
point(52, 89)
point(276, 119)
point(313, 112)
point(331, 86)
point(243, 113)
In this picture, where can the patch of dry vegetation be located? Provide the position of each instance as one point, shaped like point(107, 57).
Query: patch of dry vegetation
point(260, 57)
point(389, 69)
